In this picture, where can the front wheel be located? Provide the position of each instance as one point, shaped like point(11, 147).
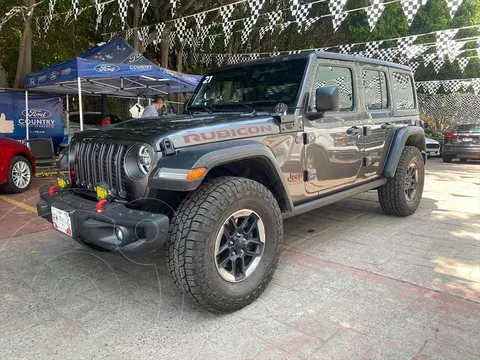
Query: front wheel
point(402, 193)
point(19, 175)
point(225, 243)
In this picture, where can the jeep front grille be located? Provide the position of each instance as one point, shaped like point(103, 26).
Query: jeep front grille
point(101, 162)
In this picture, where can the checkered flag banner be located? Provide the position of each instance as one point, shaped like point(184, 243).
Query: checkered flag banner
point(200, 19)
point(412, 51)
point(49, 17)
point(300, 13)
point(431, 87)
point(475, 85)
point(451, 85)
point(462, 63)
point(174, 6)
point(336, 8)
point(427, 58)
point(37, 25)
point(226, 12)
point(99, 7)
point(180, 27)
point(410, 8)
point(455, 49)
point(370, 48)
point(443, 41)
point(275, 53)
point(418, 86)
point(122, 10)
point(345, 49)
point(159, 32)
point(274, 18)
point(285, 25)
point(404, 43)
point(414, 65)
point(11, 13)
point(75, 9)
point(145, 5)
point(465, 85)
point(202, 33)
point(128, 34)
point(211, 40)
point(387, 54)
point(247, 27)
point(145, 32)
point(437, 64)
point(310, 22)
point(453, 6)
point(374, 12)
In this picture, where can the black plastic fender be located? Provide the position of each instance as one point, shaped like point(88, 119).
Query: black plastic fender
point(216, 154)
point(408, 135)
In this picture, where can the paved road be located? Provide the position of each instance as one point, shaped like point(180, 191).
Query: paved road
point(352, 284)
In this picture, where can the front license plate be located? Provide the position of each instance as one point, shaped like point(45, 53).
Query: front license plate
point(61, 221)
point(432, 152)
point(467, 139)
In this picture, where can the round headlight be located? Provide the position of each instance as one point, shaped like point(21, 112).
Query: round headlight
point(144, 159)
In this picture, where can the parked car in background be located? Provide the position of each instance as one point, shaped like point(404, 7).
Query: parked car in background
point(433, 147)
point(17, 166)
point(462, 143)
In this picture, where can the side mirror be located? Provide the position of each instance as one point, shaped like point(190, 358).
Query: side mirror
point(327, 99)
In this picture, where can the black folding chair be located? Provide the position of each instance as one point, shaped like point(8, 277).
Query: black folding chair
point(42, 150)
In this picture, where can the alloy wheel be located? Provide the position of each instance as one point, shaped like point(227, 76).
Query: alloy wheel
point(411, 181)
point(21, 174)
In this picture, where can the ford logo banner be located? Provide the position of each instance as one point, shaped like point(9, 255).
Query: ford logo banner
point(106, 68)
point(37, 113)
point(53, 75)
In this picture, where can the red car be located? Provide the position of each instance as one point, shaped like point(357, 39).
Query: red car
point(17, 166)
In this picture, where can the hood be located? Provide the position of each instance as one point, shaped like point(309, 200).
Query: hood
point(431, 141)
point(188, 130)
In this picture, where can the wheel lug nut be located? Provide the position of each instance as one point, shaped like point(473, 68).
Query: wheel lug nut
point(231, 242)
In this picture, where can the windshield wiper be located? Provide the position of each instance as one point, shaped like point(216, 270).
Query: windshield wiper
point(253, 111)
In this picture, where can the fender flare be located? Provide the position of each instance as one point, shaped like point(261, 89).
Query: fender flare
point(400, 139)
point(214, 155)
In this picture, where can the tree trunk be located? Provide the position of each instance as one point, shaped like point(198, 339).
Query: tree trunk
point(137, 44)
point(3, 77)
point(24, 63)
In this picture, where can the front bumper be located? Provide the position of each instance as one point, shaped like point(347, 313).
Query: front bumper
point(142, 231)
point(471, 151)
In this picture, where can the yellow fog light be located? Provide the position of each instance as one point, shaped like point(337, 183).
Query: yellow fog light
point(102, 193)
point(62, 182)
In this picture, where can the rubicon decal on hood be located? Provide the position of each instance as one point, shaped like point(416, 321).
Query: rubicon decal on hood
point(225, 134)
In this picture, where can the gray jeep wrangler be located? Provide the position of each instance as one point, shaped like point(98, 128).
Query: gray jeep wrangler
point(259, 142)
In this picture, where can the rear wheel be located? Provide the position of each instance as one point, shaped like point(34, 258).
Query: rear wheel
point(447, 158)
point(225, 243)
point(19, 175)
point(402, 193)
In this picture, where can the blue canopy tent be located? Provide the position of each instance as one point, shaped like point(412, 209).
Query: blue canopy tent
point(114, 68)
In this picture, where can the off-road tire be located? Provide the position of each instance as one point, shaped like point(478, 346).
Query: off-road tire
point(392, 195)
point(10, 186)
point(447, 158)
point(193, 232)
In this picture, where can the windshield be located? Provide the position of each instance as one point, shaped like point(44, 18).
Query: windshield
point(467, 128)
point(258, 86)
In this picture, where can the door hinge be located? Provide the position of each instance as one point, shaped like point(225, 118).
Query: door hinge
point(367, 130)
point(364, 162)
point(305, 138)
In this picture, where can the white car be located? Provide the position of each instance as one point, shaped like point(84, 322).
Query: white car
point(433, 147)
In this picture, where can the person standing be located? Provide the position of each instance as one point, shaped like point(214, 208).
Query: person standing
point(154, 109)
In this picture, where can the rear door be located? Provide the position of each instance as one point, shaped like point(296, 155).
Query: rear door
point(379, 127)
point(333, 155)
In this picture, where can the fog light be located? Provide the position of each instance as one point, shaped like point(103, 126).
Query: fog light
point(119, 234)
point(62, 181)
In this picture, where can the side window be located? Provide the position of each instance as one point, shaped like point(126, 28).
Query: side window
point(328, 76)
point(375, 90)
point(403, 92)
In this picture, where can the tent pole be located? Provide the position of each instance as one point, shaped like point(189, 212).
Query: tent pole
point(27, 130)
point(68, 119)
point(80, 107)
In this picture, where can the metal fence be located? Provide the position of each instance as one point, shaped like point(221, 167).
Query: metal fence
point(446, 110)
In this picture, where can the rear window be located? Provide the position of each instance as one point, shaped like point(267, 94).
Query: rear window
point(467, 128)
point(403, 92)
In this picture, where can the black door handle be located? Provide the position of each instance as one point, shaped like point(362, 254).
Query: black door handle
point(387, 126)
point(354, 130)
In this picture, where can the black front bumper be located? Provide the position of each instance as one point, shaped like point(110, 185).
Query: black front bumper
point(142, 231)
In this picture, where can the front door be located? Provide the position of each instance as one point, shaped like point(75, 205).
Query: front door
point(334, 142)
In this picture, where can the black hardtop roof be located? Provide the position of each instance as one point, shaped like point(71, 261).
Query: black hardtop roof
point(321, 55)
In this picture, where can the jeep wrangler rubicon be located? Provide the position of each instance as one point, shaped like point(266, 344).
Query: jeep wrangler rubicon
point(259, 142)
